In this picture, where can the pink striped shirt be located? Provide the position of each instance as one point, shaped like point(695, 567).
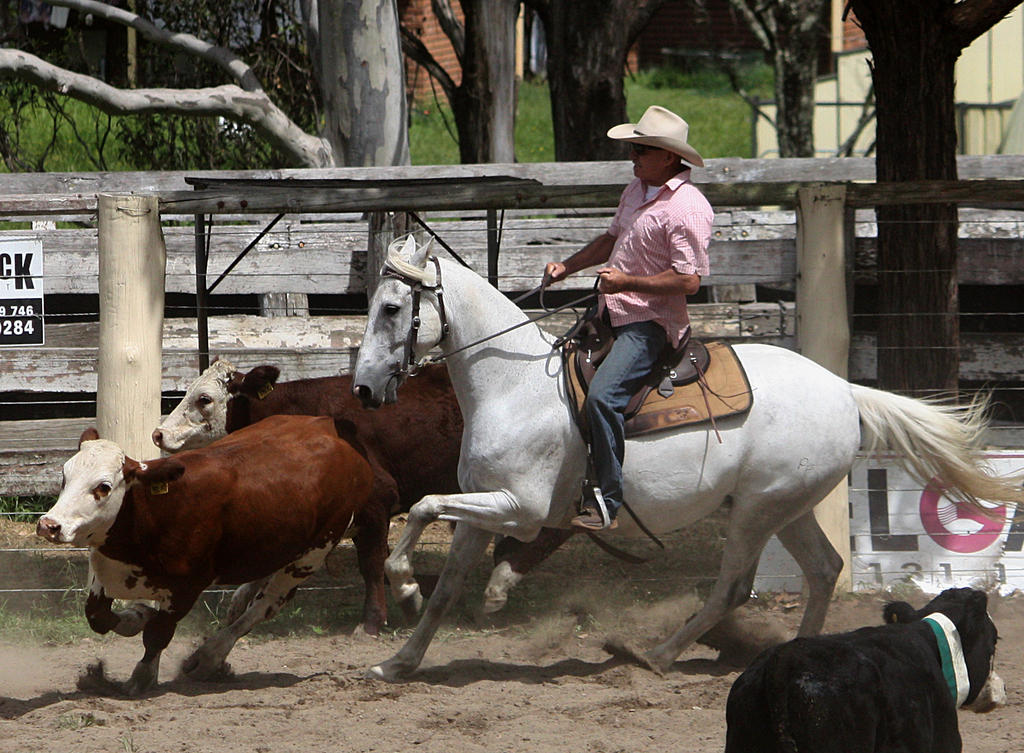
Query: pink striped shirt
point(671, 231)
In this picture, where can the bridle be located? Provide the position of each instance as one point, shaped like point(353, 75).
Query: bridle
point(410, 366)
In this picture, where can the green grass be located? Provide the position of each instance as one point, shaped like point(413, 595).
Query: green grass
point(75, 147)
point(25, 509)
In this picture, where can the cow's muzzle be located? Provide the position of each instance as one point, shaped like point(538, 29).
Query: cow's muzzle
point(992, 695)
point(49, 529)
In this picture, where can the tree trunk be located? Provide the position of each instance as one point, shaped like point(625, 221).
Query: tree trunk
point(913, 73)
point(588, 41)
point(800, 29)
point(485, 102)
point(359, 59)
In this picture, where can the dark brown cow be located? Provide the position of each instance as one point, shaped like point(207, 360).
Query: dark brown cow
point(267, 502)
point(412, 446)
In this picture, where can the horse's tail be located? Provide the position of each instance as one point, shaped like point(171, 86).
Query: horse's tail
point(936, 442)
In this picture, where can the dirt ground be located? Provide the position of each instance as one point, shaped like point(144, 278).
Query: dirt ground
point(548, 688)
point(540, 683)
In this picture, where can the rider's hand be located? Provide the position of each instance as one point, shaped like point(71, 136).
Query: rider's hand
point(611, 280)
point(553, 272)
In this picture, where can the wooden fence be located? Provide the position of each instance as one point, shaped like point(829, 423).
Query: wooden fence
point(313, 265)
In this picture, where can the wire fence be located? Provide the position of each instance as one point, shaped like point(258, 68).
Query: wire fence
point(323, 258)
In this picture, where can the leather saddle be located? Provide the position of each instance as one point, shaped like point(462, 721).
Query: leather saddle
point(693, 383)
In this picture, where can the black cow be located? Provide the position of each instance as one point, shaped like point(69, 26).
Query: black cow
point(887, 688)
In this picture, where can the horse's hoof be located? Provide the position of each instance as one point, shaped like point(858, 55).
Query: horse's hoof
point(201, 667)
point(365, 633)
point(493, 604)
point(143, 680)
point(389, 671)
point(623, 649)
point(657, 663)
point(411, 602)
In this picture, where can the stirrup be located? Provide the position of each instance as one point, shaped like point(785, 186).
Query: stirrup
point(593, 498)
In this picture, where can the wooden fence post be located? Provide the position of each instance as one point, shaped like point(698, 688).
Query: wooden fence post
point(132, 266)
point(384, 227)
point(823, 324)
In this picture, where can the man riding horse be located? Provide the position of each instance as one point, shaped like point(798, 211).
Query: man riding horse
point(655, 253)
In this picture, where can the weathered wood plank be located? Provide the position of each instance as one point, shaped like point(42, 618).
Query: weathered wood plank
point(302, 346)
point(317, 258)
point(984, 357)
point(980, 261)
point(321, 346)
point(31, 452)
point(331, 259)
point(975, 193)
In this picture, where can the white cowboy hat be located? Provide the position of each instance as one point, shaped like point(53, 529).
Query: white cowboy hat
point(661, 128)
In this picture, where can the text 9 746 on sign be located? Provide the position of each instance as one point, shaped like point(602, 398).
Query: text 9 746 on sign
point(21, 322)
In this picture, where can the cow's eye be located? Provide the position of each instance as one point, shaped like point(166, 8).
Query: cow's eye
point(101, 490)
point(204, 400)
point(391, 308)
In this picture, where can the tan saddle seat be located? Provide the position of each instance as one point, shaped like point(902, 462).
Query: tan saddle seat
point(691, 384)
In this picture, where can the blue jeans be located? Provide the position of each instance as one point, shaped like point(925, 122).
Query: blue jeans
point(636, 348)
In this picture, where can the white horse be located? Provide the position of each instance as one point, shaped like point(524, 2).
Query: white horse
point(523, 460)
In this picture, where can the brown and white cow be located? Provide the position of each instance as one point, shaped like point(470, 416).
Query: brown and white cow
point(413, 448)
point(412, 445)
point(268, 501)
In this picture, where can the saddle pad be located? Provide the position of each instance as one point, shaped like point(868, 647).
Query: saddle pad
point(728, 393)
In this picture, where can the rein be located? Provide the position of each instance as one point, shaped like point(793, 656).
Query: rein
point(410, 365)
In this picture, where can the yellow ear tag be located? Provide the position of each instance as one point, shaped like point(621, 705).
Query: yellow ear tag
point(158, 487)
point(265, 390)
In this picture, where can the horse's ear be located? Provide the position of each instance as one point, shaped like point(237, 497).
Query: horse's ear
point(417, 254)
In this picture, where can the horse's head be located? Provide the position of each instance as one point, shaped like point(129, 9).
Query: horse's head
point(403, 323)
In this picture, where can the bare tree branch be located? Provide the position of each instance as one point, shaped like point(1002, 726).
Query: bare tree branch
point(972, 18)
point(867, 114)
point(641, 17)
point(759, 23)
point(238, 69)
point(413, 47)
point(731, 72)
point(451, 26)
point(228, 101)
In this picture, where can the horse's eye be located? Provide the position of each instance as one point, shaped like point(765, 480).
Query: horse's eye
point(391, 308)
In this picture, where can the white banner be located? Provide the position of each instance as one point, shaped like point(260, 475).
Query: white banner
point(21, 292)
point(900, 532)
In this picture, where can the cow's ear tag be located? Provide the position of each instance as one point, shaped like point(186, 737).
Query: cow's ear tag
point(265, 390)
point(158, 487)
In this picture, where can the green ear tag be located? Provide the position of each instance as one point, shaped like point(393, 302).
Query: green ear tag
point(265, 390)
point(158, 487)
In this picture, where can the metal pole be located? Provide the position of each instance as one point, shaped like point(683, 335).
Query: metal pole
point(492, 247)
point(202, 295)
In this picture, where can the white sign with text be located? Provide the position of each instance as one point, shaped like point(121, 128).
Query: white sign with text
point(900, 532)
point(21, 292)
